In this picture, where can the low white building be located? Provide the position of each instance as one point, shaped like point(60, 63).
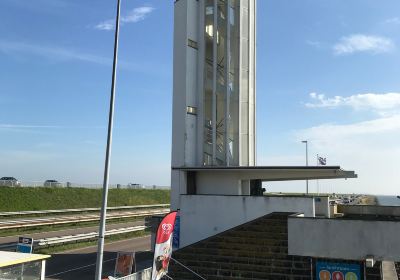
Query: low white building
point(14, 265)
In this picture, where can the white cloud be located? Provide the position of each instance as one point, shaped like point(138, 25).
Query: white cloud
point(363, 43)
point(394, 20)
point(377, 126)
point(315, 44)
point(105, 25)
point(370, 148)
point(60, 54)
point(136, 15)
point(56, 53)
point(381, 103)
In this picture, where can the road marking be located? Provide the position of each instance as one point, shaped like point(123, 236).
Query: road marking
point(111, 243)
point(78, 268)
point(33, 234)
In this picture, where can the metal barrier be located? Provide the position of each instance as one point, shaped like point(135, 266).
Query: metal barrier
point(37, 212)
point(52, 241)
point(141, 275)
point(84, 236)
point(57, 184)
point(59, 220)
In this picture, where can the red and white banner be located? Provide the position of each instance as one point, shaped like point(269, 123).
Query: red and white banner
point(163, 248)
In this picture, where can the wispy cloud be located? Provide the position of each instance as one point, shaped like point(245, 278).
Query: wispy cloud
point(55, 53)
point(7, 126)
point(136, 15)
point(394, 20)
point(370, 101)
point(41, 128)
point(363, 43)
point(376, 126)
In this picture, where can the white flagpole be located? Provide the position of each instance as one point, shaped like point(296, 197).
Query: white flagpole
point(317, 179)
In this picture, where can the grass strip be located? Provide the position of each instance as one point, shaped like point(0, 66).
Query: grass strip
point(47, 228)
point(44, 198)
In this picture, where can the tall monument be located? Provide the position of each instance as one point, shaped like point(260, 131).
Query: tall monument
point(214, 84)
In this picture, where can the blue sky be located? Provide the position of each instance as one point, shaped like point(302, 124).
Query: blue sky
point(327, 72)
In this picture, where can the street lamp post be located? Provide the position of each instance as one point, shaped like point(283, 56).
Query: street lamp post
point(306, 142)
point(102, 226)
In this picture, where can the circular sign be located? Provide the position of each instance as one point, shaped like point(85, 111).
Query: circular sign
point(324, 275)
point(337, 275)
point(351, 276)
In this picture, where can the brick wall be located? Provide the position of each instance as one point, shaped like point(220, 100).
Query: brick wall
point(256, 250)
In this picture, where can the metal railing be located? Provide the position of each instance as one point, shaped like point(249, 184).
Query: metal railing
point(59, 220)
point(60, 240)
point(57, 211)
point(140, 275)
point(51, 241)
point(11, 183)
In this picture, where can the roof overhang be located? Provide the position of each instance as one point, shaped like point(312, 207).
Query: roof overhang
point(275, 173)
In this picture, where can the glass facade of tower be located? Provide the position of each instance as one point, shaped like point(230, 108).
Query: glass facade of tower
point(226, 82)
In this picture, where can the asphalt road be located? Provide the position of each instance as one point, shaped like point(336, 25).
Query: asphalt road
point(36, 236)
point(81, 263)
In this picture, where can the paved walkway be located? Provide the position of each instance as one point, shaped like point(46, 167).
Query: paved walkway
point(389, 271)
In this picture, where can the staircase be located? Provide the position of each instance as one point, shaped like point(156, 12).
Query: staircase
point(255, 250)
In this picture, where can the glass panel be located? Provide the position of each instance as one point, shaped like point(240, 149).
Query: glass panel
point(208, 79)
point(26, 271)
point(221, 85)
point(233, 119)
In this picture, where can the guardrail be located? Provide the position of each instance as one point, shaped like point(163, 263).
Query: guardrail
point(37, 212)
point(26, 223)
point(52, 241)
point(45, 242)
point(140, 275)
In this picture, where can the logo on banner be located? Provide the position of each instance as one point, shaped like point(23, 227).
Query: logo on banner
point(167, 228)
point(337, 275)
point(324, 275)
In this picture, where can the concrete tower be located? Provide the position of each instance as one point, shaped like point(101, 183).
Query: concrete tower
point(214, 84)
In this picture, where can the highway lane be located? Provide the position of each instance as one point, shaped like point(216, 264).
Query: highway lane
point(70, 231)
point(81, 263)
point(65, 219)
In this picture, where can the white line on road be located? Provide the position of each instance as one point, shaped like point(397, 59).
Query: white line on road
point(106, 244)
point(78, 268)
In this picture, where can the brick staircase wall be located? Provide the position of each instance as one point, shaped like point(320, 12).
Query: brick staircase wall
point(255, 250)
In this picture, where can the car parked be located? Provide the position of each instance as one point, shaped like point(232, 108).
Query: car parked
point(9, 182)
point(52, 183)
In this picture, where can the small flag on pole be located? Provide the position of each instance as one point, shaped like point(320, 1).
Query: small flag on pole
point(163, 248)
point(321, 161)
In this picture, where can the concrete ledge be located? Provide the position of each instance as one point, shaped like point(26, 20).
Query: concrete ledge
point(344, 239)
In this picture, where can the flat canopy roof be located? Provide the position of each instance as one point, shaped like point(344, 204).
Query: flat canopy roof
point(13, 258)
point(275, 173)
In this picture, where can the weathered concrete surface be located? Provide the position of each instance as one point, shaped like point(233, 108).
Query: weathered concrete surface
point(344, 239)
point(389, 271)
point(205, 215)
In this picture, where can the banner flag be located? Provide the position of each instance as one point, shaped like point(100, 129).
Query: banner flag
point(321, 161)
point(163, 248)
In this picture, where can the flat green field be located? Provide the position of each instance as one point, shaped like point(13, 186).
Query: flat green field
point(26, 198)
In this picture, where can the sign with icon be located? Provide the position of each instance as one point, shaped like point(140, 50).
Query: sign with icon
point(337, 271)
point(24, 244)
